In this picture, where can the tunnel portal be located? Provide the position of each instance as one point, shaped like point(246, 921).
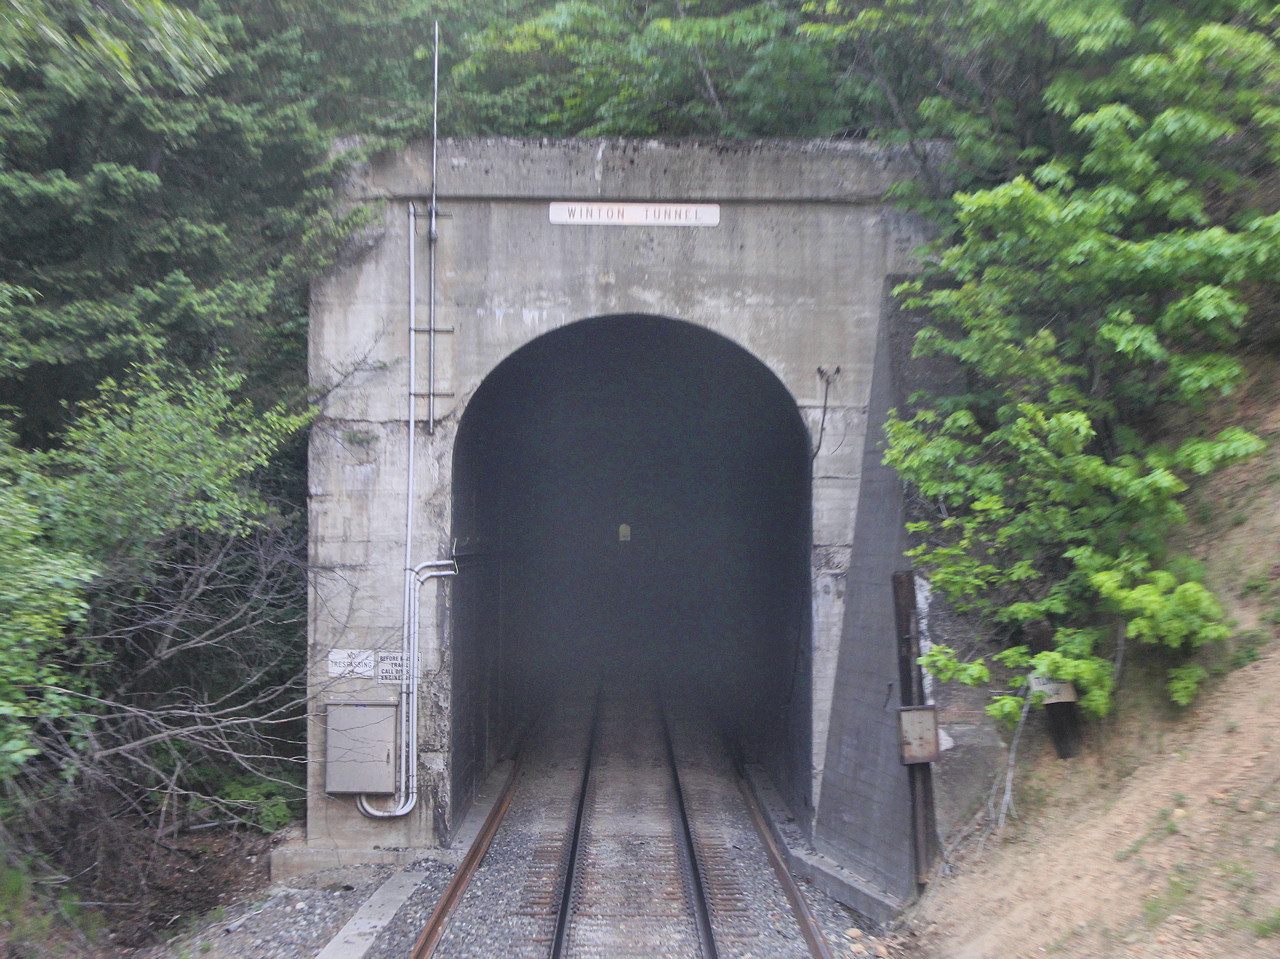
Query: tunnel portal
point(631, 502)
point(595, 407)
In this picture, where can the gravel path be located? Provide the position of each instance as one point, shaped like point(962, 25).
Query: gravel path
point(297, 919)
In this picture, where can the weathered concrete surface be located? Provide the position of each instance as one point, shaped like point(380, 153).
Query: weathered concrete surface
point(859, 819)
point(795, 274)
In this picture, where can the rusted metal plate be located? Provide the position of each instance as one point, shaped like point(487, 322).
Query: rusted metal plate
point(918, 734)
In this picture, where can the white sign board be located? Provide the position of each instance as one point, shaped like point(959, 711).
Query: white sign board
point(595, 213)
point(1055, 690)
point(351, 663)
point(390, 667)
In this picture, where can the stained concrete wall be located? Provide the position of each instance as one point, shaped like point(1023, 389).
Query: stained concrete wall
point(860, 820)
point(795, 273)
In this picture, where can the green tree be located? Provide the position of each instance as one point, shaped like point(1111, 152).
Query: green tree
point(160, 218)
point(688, 67)
point(128, 41)
point(41, 596)
point(1105, 285)
point(154, 602)
point(153, 220)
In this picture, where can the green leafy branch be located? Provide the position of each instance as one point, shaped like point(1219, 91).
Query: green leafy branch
point(1083, 298)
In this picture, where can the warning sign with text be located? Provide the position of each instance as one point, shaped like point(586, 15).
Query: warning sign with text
point(390, 668)
point(351, 663)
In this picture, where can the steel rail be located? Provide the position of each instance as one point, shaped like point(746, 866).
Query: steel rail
point(697, 893)
point(434, 929)
point(819, 948)
point(697, 890)
point(560, 938)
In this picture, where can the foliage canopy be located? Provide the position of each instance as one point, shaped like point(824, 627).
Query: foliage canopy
point(164, 198)
point(1104, 285)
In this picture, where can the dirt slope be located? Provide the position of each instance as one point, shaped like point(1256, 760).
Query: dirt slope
point(1178, 858)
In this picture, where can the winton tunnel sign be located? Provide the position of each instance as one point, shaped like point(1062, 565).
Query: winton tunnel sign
point(634, 214)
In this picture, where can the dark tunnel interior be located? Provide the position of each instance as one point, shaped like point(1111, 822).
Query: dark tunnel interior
point(631, 504)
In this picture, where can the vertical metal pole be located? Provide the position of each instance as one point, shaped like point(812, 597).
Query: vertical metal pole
point(407, 774)
point(904, 616)
point(408, 681)
point(432, 236)
point(911, 683)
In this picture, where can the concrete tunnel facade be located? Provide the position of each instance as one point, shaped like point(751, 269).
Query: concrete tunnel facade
point(648, 380)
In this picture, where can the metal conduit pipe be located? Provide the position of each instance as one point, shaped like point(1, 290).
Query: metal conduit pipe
point(407, 773)
point(415, 576)
point(423, 573)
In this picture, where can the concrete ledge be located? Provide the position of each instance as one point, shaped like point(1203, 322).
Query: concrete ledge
point(840, 884)
point(297, 858)
point(755, 171)
point(872, 903)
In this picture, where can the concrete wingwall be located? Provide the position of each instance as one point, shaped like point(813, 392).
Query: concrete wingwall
point(795, 272)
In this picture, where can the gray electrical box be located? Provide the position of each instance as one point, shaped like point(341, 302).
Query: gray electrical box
point(360, 748)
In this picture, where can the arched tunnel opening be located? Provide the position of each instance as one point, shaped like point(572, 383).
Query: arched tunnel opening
point(631, 505)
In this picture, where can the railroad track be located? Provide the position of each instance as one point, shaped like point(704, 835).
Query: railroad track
point(623, 837)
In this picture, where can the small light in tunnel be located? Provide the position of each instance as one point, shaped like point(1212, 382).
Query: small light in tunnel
point(624, 533)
